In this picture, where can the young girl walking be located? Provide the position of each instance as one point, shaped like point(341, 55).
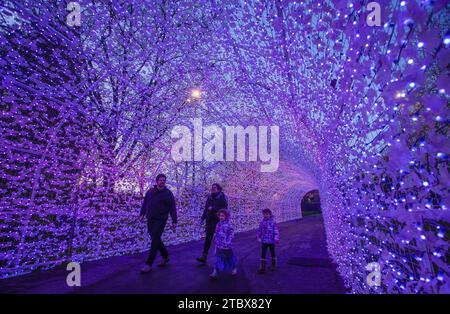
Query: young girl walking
point(268, 235)
point(225, 259)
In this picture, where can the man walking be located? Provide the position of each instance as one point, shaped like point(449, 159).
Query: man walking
point(158, 203)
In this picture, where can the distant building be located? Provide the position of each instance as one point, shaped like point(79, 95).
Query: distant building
point(311, 201)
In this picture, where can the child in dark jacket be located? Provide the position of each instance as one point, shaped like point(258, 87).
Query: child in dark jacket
point(225, 258)
point(269, 235)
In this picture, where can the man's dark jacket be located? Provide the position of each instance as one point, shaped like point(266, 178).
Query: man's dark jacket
point(158, 204)
point(218, 201)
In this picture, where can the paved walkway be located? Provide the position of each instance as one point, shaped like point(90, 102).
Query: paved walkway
point(304, 267)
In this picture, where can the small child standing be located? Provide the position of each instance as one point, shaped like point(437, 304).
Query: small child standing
point(269, 235)
point(225, 259)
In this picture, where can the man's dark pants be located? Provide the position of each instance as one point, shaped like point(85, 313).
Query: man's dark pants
point(155, 230)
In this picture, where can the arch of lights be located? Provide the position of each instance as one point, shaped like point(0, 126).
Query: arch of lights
point(363, 115)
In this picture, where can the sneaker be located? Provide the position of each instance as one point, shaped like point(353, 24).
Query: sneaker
point(146, 268)
point(164, 262)
point(234, 272)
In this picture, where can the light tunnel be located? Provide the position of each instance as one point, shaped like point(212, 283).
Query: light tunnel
point(335, 100)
